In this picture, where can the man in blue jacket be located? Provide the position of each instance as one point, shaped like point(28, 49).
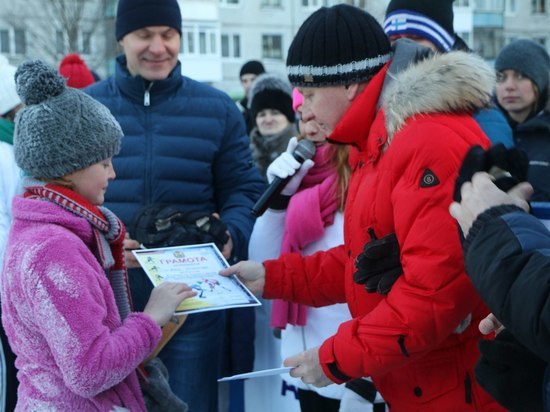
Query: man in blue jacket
point(185, 144)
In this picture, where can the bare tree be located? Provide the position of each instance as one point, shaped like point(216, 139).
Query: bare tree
point(54, 28)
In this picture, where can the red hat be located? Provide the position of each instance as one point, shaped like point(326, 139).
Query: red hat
point(73, 68)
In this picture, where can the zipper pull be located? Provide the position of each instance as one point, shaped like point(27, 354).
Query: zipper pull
point(146, 98)
point(147, 95)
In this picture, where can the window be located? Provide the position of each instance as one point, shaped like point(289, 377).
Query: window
point(272, 46)
point(13, 41)
point(313, 4)
point(87, 42)
point(83, 42)
point(538, 6)
point(4, 41)
point(199, 39)
point(229, 2)
point(59, 42)
point(20, 41)
point(271, 3)
point(362, 4)
point(231, 45)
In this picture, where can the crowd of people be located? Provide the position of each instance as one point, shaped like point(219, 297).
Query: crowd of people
point(393, 266)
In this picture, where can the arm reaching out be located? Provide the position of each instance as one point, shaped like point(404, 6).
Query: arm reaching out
point(251, 273)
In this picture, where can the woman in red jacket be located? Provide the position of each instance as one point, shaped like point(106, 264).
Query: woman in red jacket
point(414, 328)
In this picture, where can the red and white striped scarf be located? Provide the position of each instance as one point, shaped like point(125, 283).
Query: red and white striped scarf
point(108, 231)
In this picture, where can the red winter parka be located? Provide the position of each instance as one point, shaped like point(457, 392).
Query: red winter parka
point(419, 342)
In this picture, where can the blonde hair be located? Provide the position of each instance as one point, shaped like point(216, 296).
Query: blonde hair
point(339, 160)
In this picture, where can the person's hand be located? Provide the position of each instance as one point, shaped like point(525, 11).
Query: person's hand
point(490, 324)
point(228, 246)
point(251, 273)
point(507, 166)
point(481, 194)
point(129, 245)
point(164, 300)
point(379, 264)
point(286, 165)
point(308, 368)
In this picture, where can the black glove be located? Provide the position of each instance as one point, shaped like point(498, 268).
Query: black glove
point(508, 166)
point(164, 225)
point(510, 373)
point(378, 265)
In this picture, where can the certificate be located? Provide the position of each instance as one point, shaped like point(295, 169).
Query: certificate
point(198, 267)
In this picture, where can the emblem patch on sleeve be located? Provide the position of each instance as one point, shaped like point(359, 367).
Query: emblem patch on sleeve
point(429, 179)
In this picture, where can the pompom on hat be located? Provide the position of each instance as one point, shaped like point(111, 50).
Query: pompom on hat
point(60, 130)
point(136, 14)
point(429, 19)
point(270, 91)
point(337, 45)
point(8, 95)
point(75, 70)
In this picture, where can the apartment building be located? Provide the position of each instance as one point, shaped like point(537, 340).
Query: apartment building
point(218, 36)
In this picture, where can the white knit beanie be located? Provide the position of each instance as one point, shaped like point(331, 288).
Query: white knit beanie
point(8, 95)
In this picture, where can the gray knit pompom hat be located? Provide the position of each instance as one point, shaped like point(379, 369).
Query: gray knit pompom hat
point(60, 130)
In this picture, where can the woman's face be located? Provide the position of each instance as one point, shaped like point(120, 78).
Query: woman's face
point(270, 122)
point(516, 94)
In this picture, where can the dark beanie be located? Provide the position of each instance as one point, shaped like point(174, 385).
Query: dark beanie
point(429, 19)
point(337, 45)
point(136, 14)
point(270, 91)
point(529, 58)
point(252, 67)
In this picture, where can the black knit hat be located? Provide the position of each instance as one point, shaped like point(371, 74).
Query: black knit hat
point(136, 14)
point(429, 19)
point(252, 67)
point(337, 45)
point(270, 91)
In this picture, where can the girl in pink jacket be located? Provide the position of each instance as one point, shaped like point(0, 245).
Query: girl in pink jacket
point(65, 302)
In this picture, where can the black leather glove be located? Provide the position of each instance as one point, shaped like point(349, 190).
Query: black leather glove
point(378, 265)
point(510, 373)
point(508, 166)
point(164, 225)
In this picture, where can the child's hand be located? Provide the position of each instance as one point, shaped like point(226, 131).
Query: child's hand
point(164, 300)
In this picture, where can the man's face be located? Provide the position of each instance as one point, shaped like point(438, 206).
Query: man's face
point(151, 52)
point(246, 82)
point(325, 105)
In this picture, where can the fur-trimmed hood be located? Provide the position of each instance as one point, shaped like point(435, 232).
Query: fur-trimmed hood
point(455, 82)
point(417, 82)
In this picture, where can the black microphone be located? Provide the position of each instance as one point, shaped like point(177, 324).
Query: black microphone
point(305, 150)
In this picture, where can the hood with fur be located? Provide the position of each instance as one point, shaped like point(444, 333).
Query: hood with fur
point(455, 82)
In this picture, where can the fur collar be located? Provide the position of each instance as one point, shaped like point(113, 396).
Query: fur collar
point(454, 82)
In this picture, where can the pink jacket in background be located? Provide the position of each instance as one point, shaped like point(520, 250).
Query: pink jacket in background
point(59, 312)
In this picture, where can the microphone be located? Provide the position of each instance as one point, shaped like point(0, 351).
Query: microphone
point(304, 151)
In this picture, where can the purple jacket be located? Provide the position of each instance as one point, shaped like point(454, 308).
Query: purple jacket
point(59, 312)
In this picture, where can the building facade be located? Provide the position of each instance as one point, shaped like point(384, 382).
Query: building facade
point(218, 36)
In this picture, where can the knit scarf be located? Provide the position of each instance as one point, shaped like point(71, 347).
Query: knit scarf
point(317, 195)
point(108, 232)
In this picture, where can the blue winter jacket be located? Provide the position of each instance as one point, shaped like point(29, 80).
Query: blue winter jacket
point(495, 126)
point(185, 143)
point(507, 255)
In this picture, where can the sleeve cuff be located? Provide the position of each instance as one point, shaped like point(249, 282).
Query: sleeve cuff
point(485, 217)
point(329, 365)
